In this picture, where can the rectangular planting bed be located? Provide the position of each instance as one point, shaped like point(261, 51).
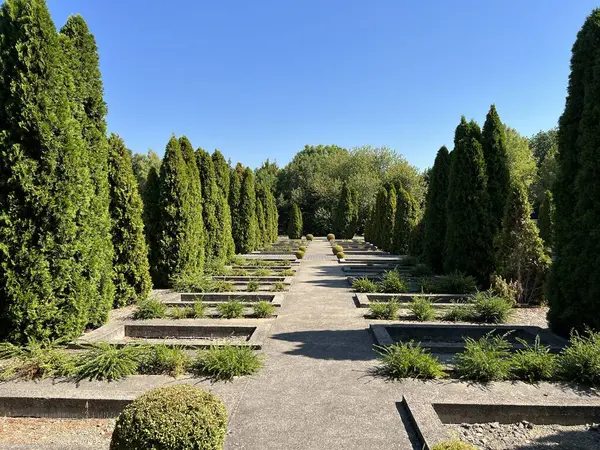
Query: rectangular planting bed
point(187, 299)
point(449, 338)
point(262, 280)
point(438, 300)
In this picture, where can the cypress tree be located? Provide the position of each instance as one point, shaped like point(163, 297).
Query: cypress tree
point(235, 191)
point(223, 211)
point(214, 231)
point(272, 216)
point(415, 245)
point(222, 172)
point(248, 232)
point(81, 57)
point(130, 260)
point(152, 222)
point(369, 225)
point(469, 242)
point(573, 293)
point(496, 162)
point(344, 215)
point(434, 221)
point(355, 213)
point(380, 208)
point(404, 222)
point(261, 234)
point(521, 256)
point(546, 219)
point(48, 275)
point(388, 218)
point(295, 225)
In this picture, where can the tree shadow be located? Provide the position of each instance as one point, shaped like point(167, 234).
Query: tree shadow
point(581, 439)
point(330, 277)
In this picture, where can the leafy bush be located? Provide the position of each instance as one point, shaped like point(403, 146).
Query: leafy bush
point(34, 360)
point(252, 286)
point(227, 362)
point(534, 363)
point(579, 362)
point(364, 285)
point(421, 308)
point(486, 359)
point(231, 309)
point(163, 360)
point(302, 248)
point(263, 309)
point(510, 290)
point(331, 237)
point(455, 283)
point(309, 237)
point(340, 255)
point(104, 361)
point(392, 283)
point(278, 286)
point(421, 270)
point(150, 308)
point(299, 254)
point(261, 273)
point(172, 418)
point(384, 311)
point(488, 308)
point(453, 445)
point(180, 312)
point(288, 273)
point(408, 361)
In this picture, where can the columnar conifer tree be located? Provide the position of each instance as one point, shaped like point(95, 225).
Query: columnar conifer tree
point(469, 242)
point(130, 261)
point(223, 211)
point(344, 215)
point(295, 225)
point(404, 222)
point(355, 213)
point(271, 215)
point(573, 294)
point(261, 224)
point(546, 219)
point(214, 231)
point(152, 222)
point(435, 211)
point(388, 218)
point(496, 162)
point(81, 57)
point(47, 289)
point(369, 225)
point(248, 232)
point(381, 203)
point(415, 245)
point(222, 172)
point(235, 192)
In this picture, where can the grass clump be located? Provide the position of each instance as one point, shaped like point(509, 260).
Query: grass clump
point(408, 360)
point(184, 312)
point(454, 445)
point(486, 307)
point(252, 286)
point(263, 309)
point(163, 360)
point(199, 309)
point(533, 363)
point(384, 311)
point(226, 362)
point(104, 361)
point(239, 273)
point(364, 285)
point(231, 309)
point(150, 308)
point(457, 314)
point(579, 362)
point(392, 283)
point(261, 273)
point(34, 361)
point(288, 273)
point(421, 309)
point(485, 359)
point(278, 286)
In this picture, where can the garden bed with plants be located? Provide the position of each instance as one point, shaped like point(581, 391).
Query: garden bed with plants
point(230, 308)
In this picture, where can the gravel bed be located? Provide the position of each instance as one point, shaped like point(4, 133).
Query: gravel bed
point(526, 436)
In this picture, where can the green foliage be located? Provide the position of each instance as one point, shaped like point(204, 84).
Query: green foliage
point(421, 309)
point(55, 251)
point(331, 237)
point(388, 216)
point(458, 314)
point(246, 238)
point(510, 290)
point(263, 309)
point(162, 359)
point(181, 312)
point(364, 285)
point(579, 362)
point(226, 362)
point(533, 363)
point(497, 167)
point(295, 224)
point(546, 219)
point(34, 361)
point(454, 283)
point(150, 308)
point(232, 309)
point(486, 359)
point(488, 308)
point(288, 273)
point(340, 255)
point(222, 172)
point(235, 195)
point(453, 445)
point(252, 286)
point(279, 286)
point(131, 272)
point(344, 219)
point(309, 237)
point(521, 255)
point(392, 283)
point(469, 239)
point(143, 164)
point(417, 239)
point(299, 254)
point(194, 282)
point(384, 311)
point(302, 248)
point(336, 249)
point(261, 226)
point(199, 309)
point(151, 199)
point(421, 270)
point(408, 360)
point(172, 418)
point(108, 362)
point(521, 163)
point(404, 223)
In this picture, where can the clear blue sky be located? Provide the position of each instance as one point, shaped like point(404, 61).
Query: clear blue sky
point(260, 79)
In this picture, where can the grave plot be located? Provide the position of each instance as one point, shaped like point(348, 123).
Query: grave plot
point(507, 426)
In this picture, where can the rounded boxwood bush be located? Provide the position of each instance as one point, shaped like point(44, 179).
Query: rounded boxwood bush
point(331, 237)
point(299, 254)
point(340, 255)
point(172, 418)
point(336, 249)
point(302, 248)
point(309, 237)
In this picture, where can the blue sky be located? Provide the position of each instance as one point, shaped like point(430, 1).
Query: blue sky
point(261, 79)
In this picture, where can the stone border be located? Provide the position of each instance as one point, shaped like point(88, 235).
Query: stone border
point(445, 300)
point(213, 298)
point(62, 407)
point(429, 418)
point(262, 280)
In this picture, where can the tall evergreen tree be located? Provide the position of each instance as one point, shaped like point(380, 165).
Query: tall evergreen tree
point(356, 225)
point(152, 222)
point(469, 241)
point(261, 234)
point(387, 219)
point(295, 225)
point(87, 96)
point(272, 215)
point(573, 294)
point(48, 282)
point(248, 231)
point(404, 222)
point(222, 172)
point(214, 231)
point(235, 192)
point(435, 211)
point(369, 225)
point(344, 215)
point(130, 261)
point(223, 211)
point(381, 203)
point(497, 169)
point(546, 219)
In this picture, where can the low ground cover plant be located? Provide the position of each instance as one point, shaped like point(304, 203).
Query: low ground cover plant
point(263, 309)
point(184, 312)
point(261, 273)
point(288, 273)
point(364, 285)
point(231, 309)
point(422, 309)
point(384, 311)
point(486, 307)
point(104, 361)
point(200, 283)
point(392, 283)
point(252, 286)
point(485, 359)
point(150, 308)
point(335, 249)
point(408, 360)
point(579, 362)
point(163, 360)
point(227, 362)
point(533, 363)
point(278, 286)
point(34, 361)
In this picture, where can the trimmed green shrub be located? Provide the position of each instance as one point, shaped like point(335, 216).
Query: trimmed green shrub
point(454, 445)
point(172, 418)
point(392, 283)
point(486, 359)
point(150, 308)
point(408, 360)
point(331, 237)
point(227, 362)
point(263, 309)
point(299, 254)
point(421, 309)
point(534, 363)
point(488, 308)
point(232, 309)
point(335, 249)
point(295, 224)
point(279, 286)
point(364, 285)
point(104, 361)
point(162, 359)
point(579, 362)
point(252, 286)
point(302, 248)
point(340, 255)
point(309, 237)
point(384, 311)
